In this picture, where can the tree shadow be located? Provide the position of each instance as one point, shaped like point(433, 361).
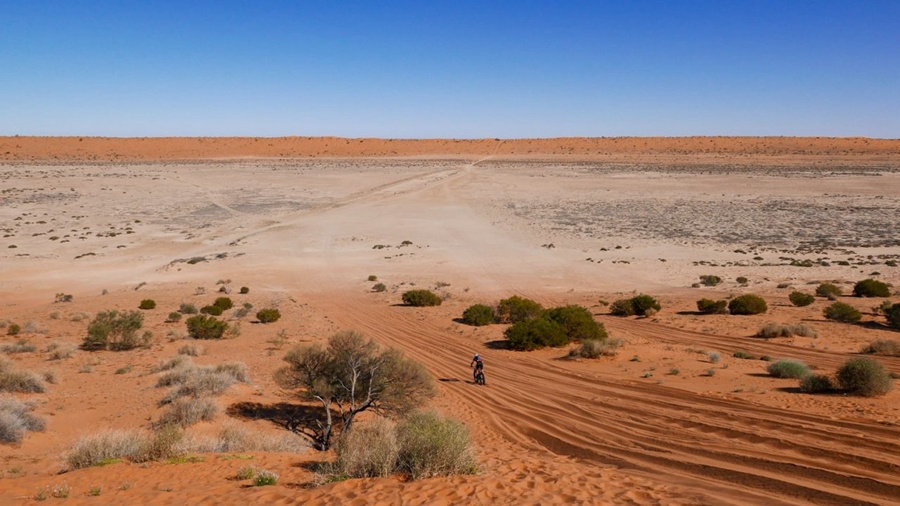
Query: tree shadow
point(499, 344)
point(293, 417)
point(690, 313)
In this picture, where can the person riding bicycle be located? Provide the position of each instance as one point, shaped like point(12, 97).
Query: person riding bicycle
point(479, 367)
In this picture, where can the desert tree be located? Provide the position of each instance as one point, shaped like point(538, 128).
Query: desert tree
point(348, 376)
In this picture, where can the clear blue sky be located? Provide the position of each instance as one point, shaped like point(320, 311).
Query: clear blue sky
point(450, 69)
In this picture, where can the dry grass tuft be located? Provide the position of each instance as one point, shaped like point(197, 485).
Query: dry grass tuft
point(771, 330)
point(16, 418)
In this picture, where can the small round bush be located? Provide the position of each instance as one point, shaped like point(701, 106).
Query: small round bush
point(379, 287)
point(577, 322)
point(621, 307)
point(865, 377)
point(264, 478)
point(478, 315)
point(147, 304)
point(213, 310)
point(841, 312)
point(205, 327)
point(709, 306)
point(268, 315)
point(816, 383)
point(742, 280)
point(174, 316)
point(244, 290)
point(223, 303)
point(644, 303)
point(801, 299)
point(747, 305)
point(373, 277)
point(188, 309)
point(535, 333)
point(710, 280)
point(892, 313)
point(829, 291)
point(13, 329)
point(871, 288)
point(516, 309)
point(788, 368)
point(421, 298)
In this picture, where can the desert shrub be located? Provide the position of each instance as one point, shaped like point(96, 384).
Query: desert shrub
point(17, 380)
point(865, 377)
point(595, 348)
point(708, 306)
point(237, 370)
point(244, 290)
point(147, 304)
point(714, 357)
point(205, 327)
point(478, 315)
point(211, 310)
point(788, 368)
point(710, 280)
point(233, 331)
point(372, 277)
point(191, 350)
point(829, 291)
point(92, 449)
point(187, 412)
point(174, 316)
point(379, 287)
point(516, 309)
point(841, 312)
point(235, 438)
point(536, 333)
point(744, 355)
point(115, 331)
point(742, 280)
point(20, 346)
point(268, 315)
point(187, 309)
point(224, 303)
point(199, 382)
point(577, 322)
point(264, 478)
point(801, 299)
point(644, 304)
point(16, 418)
point(892, 314)
point(59, 350)
point(431, 445)
point(871, 288)
point(13, 329)
point(771, 330)
point(368, 451)
point(883, 347)
point(622, 307)
point(816, 383)
point(178, 361)
point(421, 298)
point(747, 305)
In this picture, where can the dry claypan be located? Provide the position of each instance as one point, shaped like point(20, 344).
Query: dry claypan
point(623, 398)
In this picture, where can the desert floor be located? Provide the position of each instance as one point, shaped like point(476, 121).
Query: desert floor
point(480, 225)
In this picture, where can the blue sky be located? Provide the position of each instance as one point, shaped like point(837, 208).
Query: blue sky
point(450, 69)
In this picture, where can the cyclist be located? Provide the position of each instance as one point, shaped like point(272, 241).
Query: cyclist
point(479, 367)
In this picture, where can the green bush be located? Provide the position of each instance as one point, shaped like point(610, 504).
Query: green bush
point(370, 450)
point(643, 304)
point(841, 312)
point(892, 314)
point(742, 280)
point(421, 298)
point(244, 290)
point(115, 331)
point(147, 304)
point(788, 368)
point(373, 277)
point(431, 446)
point(622, 307)
point(516, 309)
point(174, 316)
point(744, 355)
point(865, 377)
point(205, 327)
point(187, 309)
point(13, 329)
point(264, 478)
point(747, 305)
point(871, 288)
point(816, 383)
point(710, 280)
point(801, 299)
point(577, 322)
point(379, 287)
point(268, 315)
point(829, 291)
point(478, 315)
point(535, 333)
point(211, 310)
point(709, 306)
point(223, 303)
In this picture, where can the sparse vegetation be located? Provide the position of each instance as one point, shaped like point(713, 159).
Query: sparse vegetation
point(224, 303)
point(174, 316)
point(17, 419)
point(710, 280)
point(115, 331)
point(801, 299)
point(816, 383)
point(211, 310)
point(892, 314)
point(742, 280)
point(186, 412)
point(372, 277)
point(13, 329)
point(743, 355)
point(841, 312)
point(147, 304)
point(478, 315)
point(888, 347)
point(191, 350)
point(622, 307)
point(771, 330)
point(595, 348)
point(431, 446)
point(268, 315)
point(20, 346)
point(871, 288)
point(788, 368)
point(829, 291)
point(516, 309)
point(747, 305)
point(645, 305)
point(421, 298)
point(264, 478)
point(379, 287)
point(188, 309)
point(206, 327)
point(244, 290)
point(59, 350)
point(864, 377)
point(709, 306)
